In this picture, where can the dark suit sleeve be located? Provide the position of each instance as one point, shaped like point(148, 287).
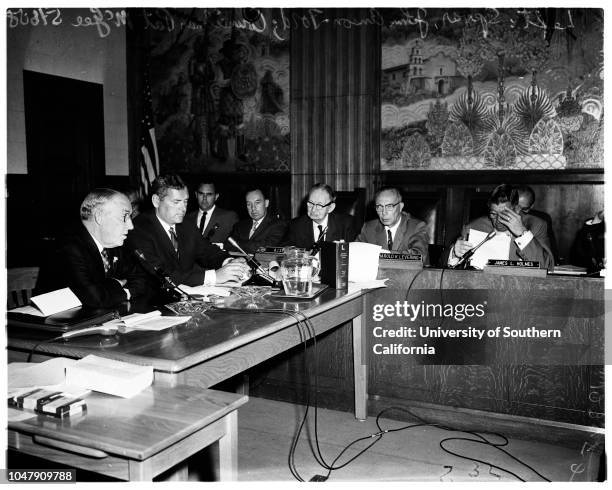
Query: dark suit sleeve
point(77, 268)
point(350, 231)
point(418, 242)
point(538, 249)
point(362, 237)
point(272, 237)
point(291, 236)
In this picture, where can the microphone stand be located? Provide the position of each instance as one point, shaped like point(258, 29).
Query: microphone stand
point(255, 266)
point(164, 276)
point(468, 255)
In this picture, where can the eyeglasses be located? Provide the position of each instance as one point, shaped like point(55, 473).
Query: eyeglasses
point(387, 207)
point(316, 205)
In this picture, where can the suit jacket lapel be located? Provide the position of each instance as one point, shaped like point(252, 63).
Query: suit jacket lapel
point(165, 239)
point(331, 228)
point(381, 235)
point(261, 227)
point(211, 222)
point(94, 252)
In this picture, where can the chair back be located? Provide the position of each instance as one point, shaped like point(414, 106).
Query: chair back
point(20, 283)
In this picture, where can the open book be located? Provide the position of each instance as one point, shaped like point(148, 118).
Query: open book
point(50, 303)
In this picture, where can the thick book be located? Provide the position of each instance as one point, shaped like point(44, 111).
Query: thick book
point(109, 376)
point(334, 264)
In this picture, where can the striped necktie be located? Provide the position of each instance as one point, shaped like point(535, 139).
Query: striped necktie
point(173, 239)
point(253, 228)
point(105, 261)
point(389, 240)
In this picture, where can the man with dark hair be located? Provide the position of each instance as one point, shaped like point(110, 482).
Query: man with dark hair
point(176, 247)
point(213, 222)
point(395, 229)
point(526, 202)
point(92, 261)
point(261, 229)
point(320, 223)
point(528, 234)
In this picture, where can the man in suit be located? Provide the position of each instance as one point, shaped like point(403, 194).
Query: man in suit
point(395, 230)
point(92, 262)
point(178, 248)
point(261, 229)
point(213, 222)
point(525, 202)
point(321, 223)
point(528, 234)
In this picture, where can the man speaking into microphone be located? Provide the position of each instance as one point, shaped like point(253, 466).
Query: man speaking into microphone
point(528, 234)
point(178, 248)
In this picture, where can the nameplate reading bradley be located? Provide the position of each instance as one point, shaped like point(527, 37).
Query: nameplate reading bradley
point(514, 263)
point(400, 256)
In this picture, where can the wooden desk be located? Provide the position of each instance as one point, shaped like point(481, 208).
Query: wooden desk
point(116, 437)
point(219, 344)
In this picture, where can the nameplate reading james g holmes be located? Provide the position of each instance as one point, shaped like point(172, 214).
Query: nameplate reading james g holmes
point(400, 256)
point(514, 263)
point(271, 250)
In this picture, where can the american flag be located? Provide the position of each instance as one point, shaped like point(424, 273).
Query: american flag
point(149, 163)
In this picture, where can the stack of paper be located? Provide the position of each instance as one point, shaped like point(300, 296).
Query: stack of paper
point(363, 261)
point(497, 247)
point(109, 376)
point(50, 303)
point(148, 321)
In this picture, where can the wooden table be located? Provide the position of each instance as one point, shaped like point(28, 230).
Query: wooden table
point(217, 345)
point(137, 438)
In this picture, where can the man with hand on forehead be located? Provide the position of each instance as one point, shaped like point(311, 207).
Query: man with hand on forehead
point(320, 223)
point(178, 248)
point(92, 261)
point(395, 230)
point(528, 234)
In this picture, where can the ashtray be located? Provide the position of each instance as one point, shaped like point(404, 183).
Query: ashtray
point(188, 307)
point(252, 292)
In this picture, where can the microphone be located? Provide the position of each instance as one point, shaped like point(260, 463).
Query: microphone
point(468, 255)
point(319, 243)
point(211, 232)
point(95, 330)
point(162, 274)
point(251, 261)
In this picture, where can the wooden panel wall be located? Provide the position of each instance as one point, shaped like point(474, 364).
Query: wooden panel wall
point(334, 105)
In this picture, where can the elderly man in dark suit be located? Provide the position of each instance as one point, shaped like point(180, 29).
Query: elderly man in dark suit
point(261, 229)
point(321, 223)
point(92, 261)
point(213, 222)
point(176, 247)
point(395, 230)
point(528, 233)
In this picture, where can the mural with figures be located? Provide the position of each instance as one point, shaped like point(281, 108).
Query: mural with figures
point(220, 90)
point(476, 89)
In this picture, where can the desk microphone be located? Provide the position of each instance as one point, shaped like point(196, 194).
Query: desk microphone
point(468, 255)
point(211, 232)
point(251, 261)
point(162, 274)
point(95, 330)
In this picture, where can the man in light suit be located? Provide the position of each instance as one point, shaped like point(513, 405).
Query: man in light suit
point(261, 229)
point(395, 230)
point(176, 247)
point(213, 222)
point(528, 233)
point(320, 223)
point(92, 261)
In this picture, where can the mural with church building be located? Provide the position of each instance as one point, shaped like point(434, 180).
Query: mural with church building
point(492, 89)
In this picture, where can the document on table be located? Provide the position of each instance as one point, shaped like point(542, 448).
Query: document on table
point(148, 321)
point(363, 261)
point(497, 247)
point(51, 303)
point(207, 290)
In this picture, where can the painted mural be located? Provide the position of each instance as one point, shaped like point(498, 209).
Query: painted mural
point(492, 89)
point(220, 90)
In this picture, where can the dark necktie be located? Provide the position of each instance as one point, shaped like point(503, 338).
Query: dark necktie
point(202, 222)
point(173, 239)
point(389, 241)
point(320, 233)
point(105, 261)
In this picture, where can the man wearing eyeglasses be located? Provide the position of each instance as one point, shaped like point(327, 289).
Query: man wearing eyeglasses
point(320, 223)
point(528, 234)
point(395, 230)
point(213, 222)
point(92, 262)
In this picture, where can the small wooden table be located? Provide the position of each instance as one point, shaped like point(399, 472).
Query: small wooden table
point(139, 437)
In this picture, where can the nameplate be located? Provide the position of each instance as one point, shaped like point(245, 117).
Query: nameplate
point(530, 268)
point(271, 250)
point(514, 263)
point(400, 256)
